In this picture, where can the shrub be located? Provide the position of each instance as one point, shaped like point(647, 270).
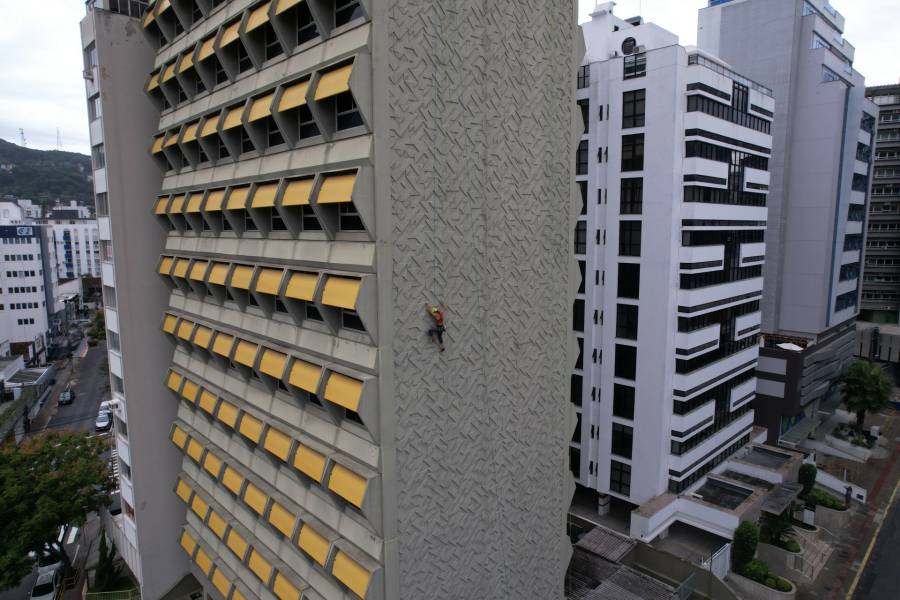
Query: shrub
point(792, 546)
point(807, 478)
point(782, 584)
point(817, 497)
point(746, 538)
point(756, 570)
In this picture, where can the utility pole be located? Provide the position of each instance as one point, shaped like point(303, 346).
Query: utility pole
point(22, 141)
point(58, 140)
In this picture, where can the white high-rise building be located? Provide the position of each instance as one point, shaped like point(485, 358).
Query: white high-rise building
point(77, 244)
point(821, 149)
point(673, 170)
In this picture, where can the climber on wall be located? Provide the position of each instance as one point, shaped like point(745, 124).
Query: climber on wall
point(437, 332)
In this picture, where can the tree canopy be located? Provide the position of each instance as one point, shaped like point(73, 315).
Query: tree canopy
point(865, 388)
point(48, 481)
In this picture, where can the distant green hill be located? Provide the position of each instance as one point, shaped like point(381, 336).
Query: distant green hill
point(45, 175)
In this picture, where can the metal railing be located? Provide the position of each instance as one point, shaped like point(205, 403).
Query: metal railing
point(697, 59)
point(132, 594)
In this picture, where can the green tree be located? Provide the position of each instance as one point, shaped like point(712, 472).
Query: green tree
point(807, 478)
point(107, 575)
point(865, 388)
point(46, 482)
point(746, 538)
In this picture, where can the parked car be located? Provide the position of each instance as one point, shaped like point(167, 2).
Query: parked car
point(104, 422)
point(67, 396)
point(106, 406)
point(46, 586)
point(47, 562)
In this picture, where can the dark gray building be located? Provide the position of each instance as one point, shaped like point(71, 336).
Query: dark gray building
point(881, 280)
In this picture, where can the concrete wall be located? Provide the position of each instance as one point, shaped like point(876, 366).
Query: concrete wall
point(474, 150)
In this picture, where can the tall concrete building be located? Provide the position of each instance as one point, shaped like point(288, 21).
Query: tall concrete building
point(330, 167)
point(673, 173)
point(117, 57)
point(822, 139)
point(881, 277)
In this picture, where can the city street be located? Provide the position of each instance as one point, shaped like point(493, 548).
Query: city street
point(879, 580)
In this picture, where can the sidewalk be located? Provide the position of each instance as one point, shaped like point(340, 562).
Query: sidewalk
point(63, 375)
point(878, 476)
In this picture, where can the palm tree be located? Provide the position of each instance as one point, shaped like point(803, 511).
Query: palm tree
point(865, 388)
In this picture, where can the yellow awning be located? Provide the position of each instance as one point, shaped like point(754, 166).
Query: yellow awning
point(198, 269)
point(212, 464)
point(347, 484)
point(351, 573)
point(297, 192)
point(241, 276)
point(344, 391)
point(162, 6)
point(223, 344)
point(230, 34)
point(315, 545)
point(200, 507)
point(154, 81)
point(283, 588)
point(177, 204)
point(181, 268)
point(258, 16)
point(227, 413)
point(202, 336)
point(188, 543)
point(218, 273)
point(214, 200)
point(293, 96)
point(183, 491)
point(237, 595)
point(169, 72)
point(161, 203)
point(232, 480)
point(190, 134)
point(261, 107)
point(264, 195)
point(207, 401)
point(149, 17)
point(220, 582)
point(246, 353)
point(301, 286)
point(187, 62)
point(194, 202)
point(237, 544)
point(173, 381)
point(171, 140)
point(283, 5)
point(206, 48)
point(216, 523)
point(334, 82)
point(209, 126)
point(337, 188)
point(233, 117)
point(305, 376)
point(273, 363)
point(237, 199)
point(189, 391)
point(250, 427)
point(342, 292)
point(169, 323)
point(269, 281)
point(165, 267)
point(255, 498)
point(310, 462)
point(277, 443)
point(282, 519)
point(204, 563)
point(185, 328)
point(157, 145)
point(259, 565)
point(194, 450)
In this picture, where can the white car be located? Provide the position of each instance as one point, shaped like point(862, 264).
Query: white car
point(106, 406)
point(46, 586)
point(47, 563)
point(103, 422)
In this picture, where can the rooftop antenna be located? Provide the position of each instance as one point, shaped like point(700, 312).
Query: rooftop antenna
point(22, 141)
point(58, 140)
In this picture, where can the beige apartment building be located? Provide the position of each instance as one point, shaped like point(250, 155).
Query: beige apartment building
point(325, 169)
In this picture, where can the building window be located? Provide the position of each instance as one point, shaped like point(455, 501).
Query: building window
point(109, 296)
point(629, 238)
point(626, 321)
point(350, 320)
point(739, 96)
point(101, 204)
point(578, 315)
point(580, 237)
point(581, 267)
point(348, 218)
point(312, 312)
point(860, 182)
point(346, 112)
point(270, 40)
point(246, 142)
point(276, 222)
point(622, 437)
point(631, 196)
point(346, 11)
point(633, 152)
point(273, 134)
point(626, 361)
point(584, 76)
point(576, 389)
point(98, 156)
point(585, 114)
point(629, 280)
point(244, 62)
point(867, 123)
point(619, 477)
point(623, 401)
point(309, 220)
point(306, 27)
point(581, 158)
point(582, 187)
point(633, 108)
point(635, 65)
point(575, 462)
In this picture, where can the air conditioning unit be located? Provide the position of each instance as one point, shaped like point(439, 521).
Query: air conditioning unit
point(88, 74)
point(639, 49)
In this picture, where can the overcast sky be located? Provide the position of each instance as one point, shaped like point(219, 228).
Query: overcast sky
point(41, 88)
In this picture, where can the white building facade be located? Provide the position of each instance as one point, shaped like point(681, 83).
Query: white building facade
point(77, 245)
point(25, 281)
point(673, 169)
